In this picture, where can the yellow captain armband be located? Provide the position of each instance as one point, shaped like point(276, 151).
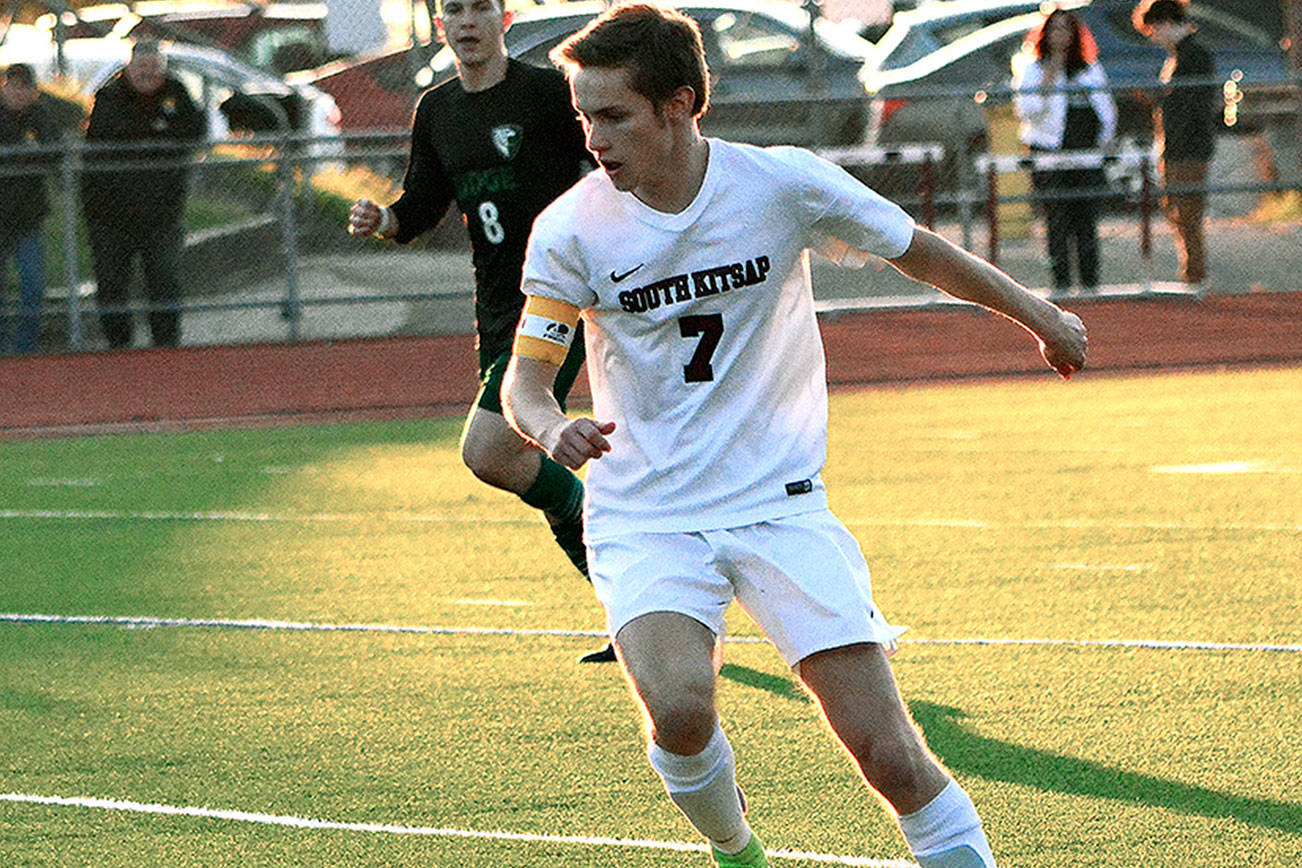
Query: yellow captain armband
point(546, 329)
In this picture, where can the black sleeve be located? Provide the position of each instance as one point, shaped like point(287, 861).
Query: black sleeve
point(426, 189)
point(100, 126)
point(1189, 111)
point(1196, 62)
point(190, 122)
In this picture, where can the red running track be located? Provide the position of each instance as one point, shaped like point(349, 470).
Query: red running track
point(194, 387)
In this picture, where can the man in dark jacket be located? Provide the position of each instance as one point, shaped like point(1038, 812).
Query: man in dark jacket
point(1186, 125)
point(27, 123)
point(134, 193)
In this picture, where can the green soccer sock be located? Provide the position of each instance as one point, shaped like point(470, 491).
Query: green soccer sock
point(559, 494)
point(556, 491)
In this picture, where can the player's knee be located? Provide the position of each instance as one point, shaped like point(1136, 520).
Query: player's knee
point(485, 464)
point(895, 766)
point(684, 725)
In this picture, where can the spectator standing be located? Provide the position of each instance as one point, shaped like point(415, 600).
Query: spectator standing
point(1062, 101)
point(1185, 125)
point(134, 194)
point(687, 259)
point(502, 141)
point(28, 120)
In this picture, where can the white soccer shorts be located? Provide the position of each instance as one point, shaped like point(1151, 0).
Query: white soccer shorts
point(802, 578)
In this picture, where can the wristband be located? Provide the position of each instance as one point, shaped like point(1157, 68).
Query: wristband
point(386, 222)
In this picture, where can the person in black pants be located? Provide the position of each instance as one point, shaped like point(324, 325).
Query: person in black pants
point(1063, 104)
point(133, 195)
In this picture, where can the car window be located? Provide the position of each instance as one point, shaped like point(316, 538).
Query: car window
point(1217, 29)
point(192, 79)
point(926, 37)
point(537, 54)
point(915, 45)
point(746, 39)
point(987, 67)
point(1220, 33)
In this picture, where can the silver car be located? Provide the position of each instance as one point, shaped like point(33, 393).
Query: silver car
point(232, 94)
point(775, 81)
point(927, 68)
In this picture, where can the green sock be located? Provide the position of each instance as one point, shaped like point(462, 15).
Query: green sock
point(559, 494)
point(556, 491)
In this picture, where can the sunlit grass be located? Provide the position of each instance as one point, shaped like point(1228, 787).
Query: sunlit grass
point(1165, 507)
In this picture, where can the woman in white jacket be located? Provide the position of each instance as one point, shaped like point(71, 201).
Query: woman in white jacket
point(1062, 101)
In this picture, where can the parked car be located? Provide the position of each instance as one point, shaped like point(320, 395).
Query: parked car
point(233, 95)
point(927, 67)
point(278, 37)
point(772, 83)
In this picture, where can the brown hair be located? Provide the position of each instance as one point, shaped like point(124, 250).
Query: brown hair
point(1081, 52)
point(20, 73)
point(661, 49)
point(1151, 12)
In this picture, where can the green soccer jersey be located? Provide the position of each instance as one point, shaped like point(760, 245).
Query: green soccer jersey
point(503, 154)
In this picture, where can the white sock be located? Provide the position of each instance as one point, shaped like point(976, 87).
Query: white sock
point(704, 787)
point(946, 832)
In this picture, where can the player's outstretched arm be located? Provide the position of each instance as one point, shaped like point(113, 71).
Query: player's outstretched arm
point(531, 409)
point(948, 267)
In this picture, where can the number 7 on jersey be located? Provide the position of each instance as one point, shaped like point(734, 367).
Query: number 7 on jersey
point(709, 328)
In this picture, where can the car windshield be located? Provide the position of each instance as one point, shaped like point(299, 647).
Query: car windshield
point(1217, 28)
point(928, 54)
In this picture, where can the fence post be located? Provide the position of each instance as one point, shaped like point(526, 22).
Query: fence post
point(928, 191)
point(69, 166)
point(992, 211)
point(1146, 223)
point(815, 76)
point(967, 197)
point(291, 309)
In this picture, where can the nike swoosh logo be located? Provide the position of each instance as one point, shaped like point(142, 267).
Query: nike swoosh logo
point(616, 278)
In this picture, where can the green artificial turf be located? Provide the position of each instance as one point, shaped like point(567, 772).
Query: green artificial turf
point(1165, 507)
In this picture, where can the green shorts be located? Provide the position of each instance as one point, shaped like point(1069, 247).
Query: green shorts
point(492, 368)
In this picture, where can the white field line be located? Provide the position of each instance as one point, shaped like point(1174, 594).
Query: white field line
point(1224, 467)
point(432, 831)
point(316, 626)
point(268, 517)
point(449, 518)
point(466, 601)
point(1074, 525)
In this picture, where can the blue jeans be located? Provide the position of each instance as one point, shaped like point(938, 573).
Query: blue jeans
point(29, 257)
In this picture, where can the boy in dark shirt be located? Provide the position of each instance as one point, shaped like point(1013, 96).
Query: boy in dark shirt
point(501, 140)
point(1186, 125)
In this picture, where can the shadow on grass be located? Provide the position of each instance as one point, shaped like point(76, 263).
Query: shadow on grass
point(972, 754)
point(775, 684)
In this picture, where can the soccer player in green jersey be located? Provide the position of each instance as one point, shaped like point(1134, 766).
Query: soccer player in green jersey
point(500, 139)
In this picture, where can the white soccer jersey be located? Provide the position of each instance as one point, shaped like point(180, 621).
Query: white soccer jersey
point(702, 342)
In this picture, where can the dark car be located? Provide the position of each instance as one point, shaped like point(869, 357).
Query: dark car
point(927, 67)
point(772, 82)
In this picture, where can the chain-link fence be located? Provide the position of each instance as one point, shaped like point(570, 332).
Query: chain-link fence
point(267, 256)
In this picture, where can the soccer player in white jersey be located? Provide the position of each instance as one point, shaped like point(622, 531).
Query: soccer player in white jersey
point(687, 260)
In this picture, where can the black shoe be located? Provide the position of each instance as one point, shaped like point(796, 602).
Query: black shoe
point(605, 655)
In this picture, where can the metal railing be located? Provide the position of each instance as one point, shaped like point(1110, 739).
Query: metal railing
point(280, 210)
